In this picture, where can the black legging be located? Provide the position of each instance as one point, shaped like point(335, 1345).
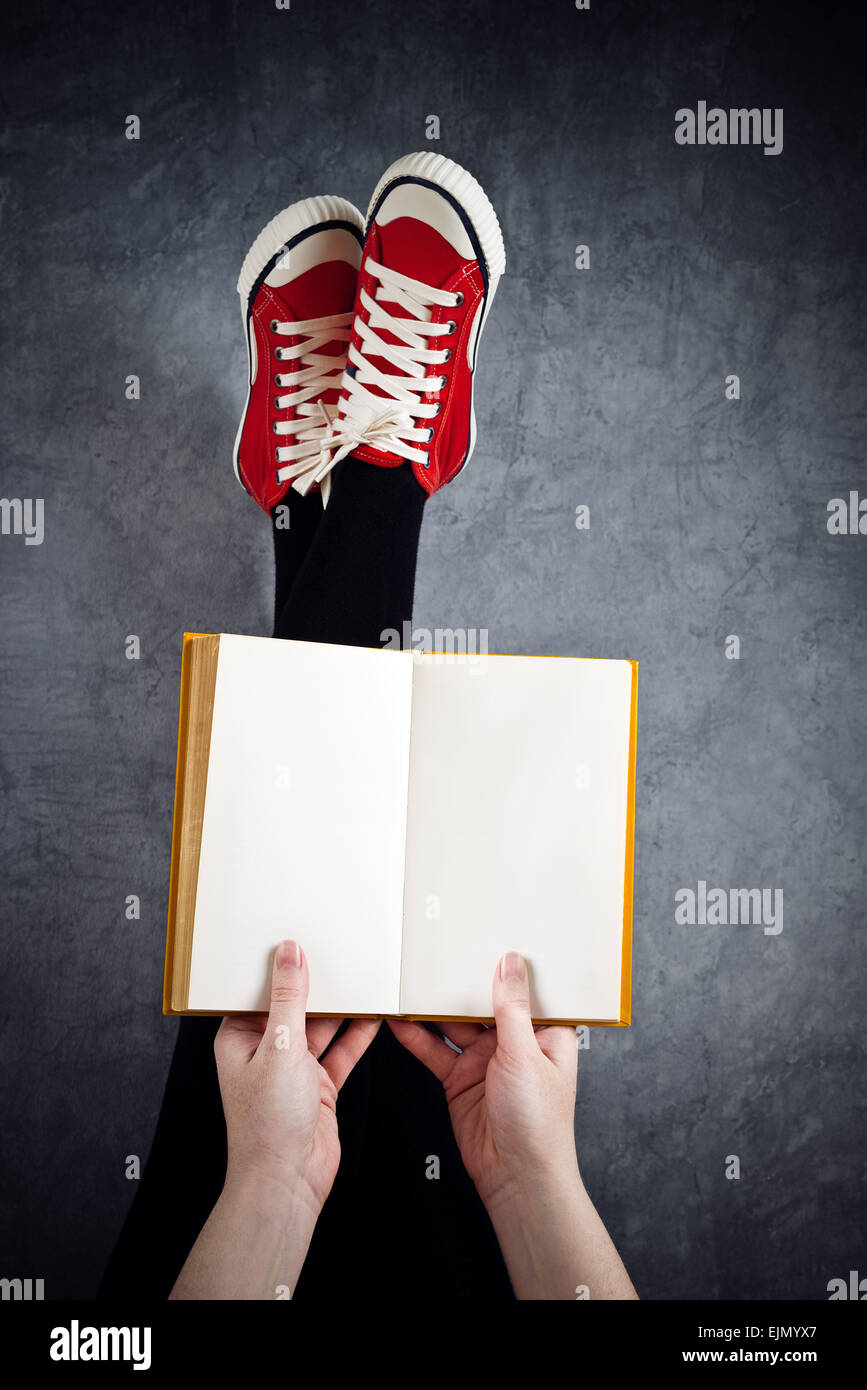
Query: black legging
point(386, 1230)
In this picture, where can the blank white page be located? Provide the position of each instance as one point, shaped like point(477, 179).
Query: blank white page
point(516, 833)
point(304, 825)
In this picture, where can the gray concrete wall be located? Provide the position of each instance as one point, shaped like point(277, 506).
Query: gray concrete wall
point(603, 387)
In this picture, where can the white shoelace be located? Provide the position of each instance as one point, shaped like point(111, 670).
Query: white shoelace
point(387, 422)
point(318, 373)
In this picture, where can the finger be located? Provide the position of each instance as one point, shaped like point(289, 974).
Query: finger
point(436, 1055)
point(320, 1032)
point(511, 995)
point(290, 983)
point(349, 1048)
point(461, 1034)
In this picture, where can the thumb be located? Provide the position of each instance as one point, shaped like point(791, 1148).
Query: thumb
point(290, 985)
point(511, 993)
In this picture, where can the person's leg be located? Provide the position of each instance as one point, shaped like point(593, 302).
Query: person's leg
point(294, 524)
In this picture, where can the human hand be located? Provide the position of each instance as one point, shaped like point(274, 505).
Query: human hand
point(510, 1091)
point(279, 1099)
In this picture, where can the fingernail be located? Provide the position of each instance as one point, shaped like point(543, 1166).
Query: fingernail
point(512, 966)
point(288, 955)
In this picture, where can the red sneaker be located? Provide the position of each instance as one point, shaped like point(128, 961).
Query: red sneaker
point(297, 287)
point(433, 256)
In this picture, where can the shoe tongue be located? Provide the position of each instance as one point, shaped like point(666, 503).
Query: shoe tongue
point(415, 249)
point(324, 289)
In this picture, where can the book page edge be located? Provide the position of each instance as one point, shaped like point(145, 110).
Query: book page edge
point(413, 1018)
point(629, 866)
point(176, 975)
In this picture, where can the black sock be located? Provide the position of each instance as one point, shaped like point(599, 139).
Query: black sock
point(294, 523)
point(358, 575)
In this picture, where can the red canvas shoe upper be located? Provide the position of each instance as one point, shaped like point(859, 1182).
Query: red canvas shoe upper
point(299, 314)
point(422, 295)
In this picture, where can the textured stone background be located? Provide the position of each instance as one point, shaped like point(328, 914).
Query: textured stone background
point(605, 387)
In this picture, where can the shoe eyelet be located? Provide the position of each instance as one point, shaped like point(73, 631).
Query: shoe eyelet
point(278, 353)
point(451, 327)
point(277, 405)
point(274, 427)
point(443, 383)
point(439, 406)
point(459, 299)
point(448, 355)
point(426, 463)
point(429, 433)
point(273, 325)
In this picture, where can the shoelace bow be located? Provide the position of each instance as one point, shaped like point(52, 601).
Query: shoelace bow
point(385, 419)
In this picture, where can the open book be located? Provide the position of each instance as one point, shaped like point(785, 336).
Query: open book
point(408, 818)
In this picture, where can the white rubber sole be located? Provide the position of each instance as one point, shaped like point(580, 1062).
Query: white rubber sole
point(280, 231)
point(453, 179)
